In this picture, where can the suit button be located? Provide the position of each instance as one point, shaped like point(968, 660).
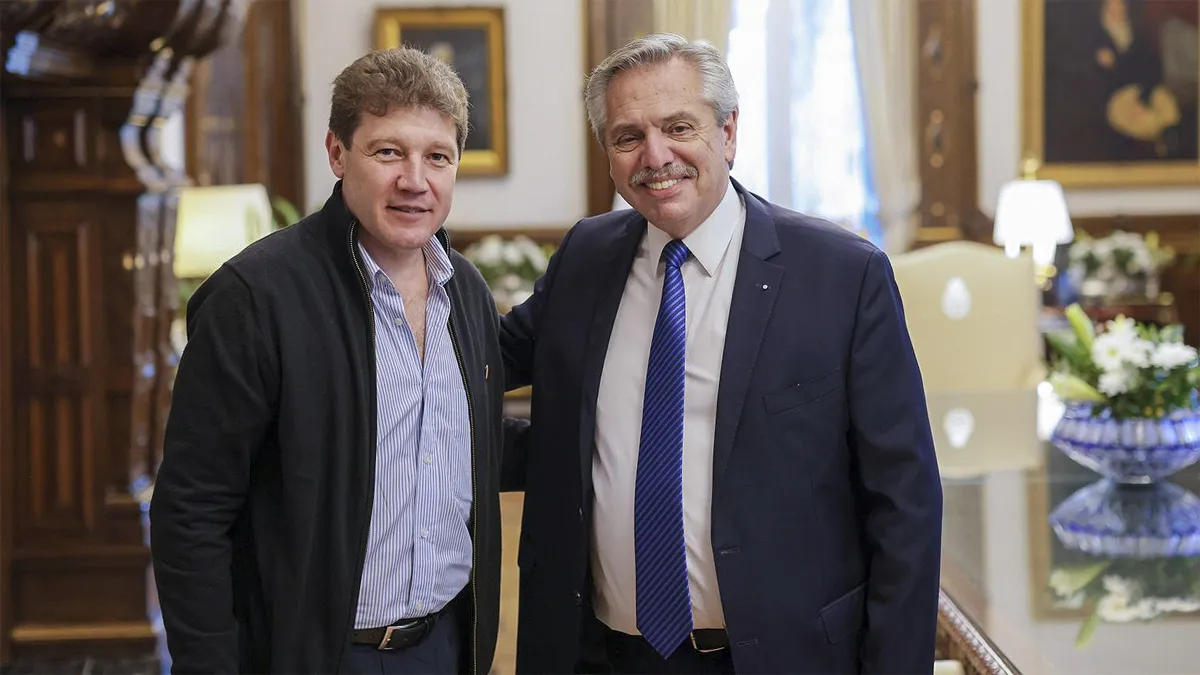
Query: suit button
point(578, 599)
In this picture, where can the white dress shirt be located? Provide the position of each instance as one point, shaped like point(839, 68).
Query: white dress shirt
point(708, 276)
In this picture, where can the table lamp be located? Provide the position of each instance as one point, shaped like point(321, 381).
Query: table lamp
point(214, 223)
point(1032, 212)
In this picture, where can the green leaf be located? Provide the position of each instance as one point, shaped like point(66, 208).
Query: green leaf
point(1088, 629)
point(1071, 388)
point(1081, 325)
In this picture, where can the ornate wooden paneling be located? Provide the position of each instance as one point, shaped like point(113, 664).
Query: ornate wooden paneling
point(85, 280)
point(608, 24)
point(7, 521)
point(244, 113)
point(947, 85)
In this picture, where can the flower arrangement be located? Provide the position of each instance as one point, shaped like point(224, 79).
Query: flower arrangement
point(510, 266)
point(1128, 370)
point(1121, 264)
point(1124, 590)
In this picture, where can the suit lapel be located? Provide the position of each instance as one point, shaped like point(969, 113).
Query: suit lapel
point(754, 292)
point(613, 261)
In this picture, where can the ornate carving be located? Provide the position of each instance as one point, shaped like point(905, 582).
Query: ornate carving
point(959, 639)
point(92, 223)
point(946, 116)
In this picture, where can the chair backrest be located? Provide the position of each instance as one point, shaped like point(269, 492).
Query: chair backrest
point(973, 314)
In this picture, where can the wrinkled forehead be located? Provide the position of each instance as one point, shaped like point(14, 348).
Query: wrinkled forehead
point(651, 94)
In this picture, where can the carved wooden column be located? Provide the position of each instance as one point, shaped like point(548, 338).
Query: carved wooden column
point(84, 277)
point(947, 85)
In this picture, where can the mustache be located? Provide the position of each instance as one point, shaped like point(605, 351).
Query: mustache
point(666, 173)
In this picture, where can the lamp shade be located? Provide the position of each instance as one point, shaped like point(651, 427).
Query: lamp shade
point(215, 223)
point(1032, 213)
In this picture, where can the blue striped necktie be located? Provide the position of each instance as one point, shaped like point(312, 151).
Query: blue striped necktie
point(664, 605)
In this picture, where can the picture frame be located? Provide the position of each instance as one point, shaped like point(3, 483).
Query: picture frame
point(470, 39)
point(1110, 93)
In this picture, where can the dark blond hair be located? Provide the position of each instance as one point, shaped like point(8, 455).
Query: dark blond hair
point(402, 77)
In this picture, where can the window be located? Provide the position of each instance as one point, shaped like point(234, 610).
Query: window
point(802, 141)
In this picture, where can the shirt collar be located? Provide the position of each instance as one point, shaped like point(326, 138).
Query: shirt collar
point(708, 242)
point(438, 267)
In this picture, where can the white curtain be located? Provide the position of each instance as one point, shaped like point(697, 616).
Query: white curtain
point(885, 50)
point(802, 141)
point(695, 19)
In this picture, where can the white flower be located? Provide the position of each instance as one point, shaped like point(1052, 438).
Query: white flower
point(1080, 250)
point(513, 255)
point(1114, 382)
point(533, 253)
point(1116, 608)
point(1172, 355)
point(489, 251)
point(1177, 604)
point(517, 297)
point(1117, 586)
point(510, 282)
point(1118, 348)
point(1122, 327)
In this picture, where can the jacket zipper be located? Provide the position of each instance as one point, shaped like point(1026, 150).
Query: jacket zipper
point(362, 551)
point(474, 505)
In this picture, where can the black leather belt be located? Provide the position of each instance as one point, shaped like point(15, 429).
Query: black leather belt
point(401, 635)
point(707, 640)
point(701, 640)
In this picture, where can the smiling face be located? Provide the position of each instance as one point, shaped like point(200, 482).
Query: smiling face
point(398, 177)
point(667, 155)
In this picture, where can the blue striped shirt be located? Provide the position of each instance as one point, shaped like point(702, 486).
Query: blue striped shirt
point(419, 547)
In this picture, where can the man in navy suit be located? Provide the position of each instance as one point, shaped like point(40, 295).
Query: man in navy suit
point(730, 466)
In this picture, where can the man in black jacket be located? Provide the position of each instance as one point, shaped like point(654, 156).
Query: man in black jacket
point(328, 497)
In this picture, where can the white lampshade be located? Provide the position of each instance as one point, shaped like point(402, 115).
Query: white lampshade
point(215, 223)
point(1032, 213)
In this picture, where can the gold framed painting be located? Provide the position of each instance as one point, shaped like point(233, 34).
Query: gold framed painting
point(1111, 91)
point(471, 40)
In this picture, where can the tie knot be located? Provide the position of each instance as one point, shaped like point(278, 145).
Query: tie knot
point(675, 253)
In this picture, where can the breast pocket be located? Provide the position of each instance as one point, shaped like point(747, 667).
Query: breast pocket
point(804, 392)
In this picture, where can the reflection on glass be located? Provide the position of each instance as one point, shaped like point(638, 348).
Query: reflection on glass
point(1133, 553)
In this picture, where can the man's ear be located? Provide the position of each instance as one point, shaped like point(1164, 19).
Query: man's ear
point(337, 154)
point(730, 136)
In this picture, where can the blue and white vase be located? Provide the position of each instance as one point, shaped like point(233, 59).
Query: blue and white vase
point(1134, 450)
point(1113, 520)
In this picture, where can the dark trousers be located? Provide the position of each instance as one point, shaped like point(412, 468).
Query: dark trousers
point(437, 654)
point(631, 654)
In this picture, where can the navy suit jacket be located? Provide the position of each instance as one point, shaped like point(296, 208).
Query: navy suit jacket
point(826, 499)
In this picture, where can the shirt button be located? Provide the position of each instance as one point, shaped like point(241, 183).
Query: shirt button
point(420, 605)
point(428, 459)
point(424, 532)
point(399, 321)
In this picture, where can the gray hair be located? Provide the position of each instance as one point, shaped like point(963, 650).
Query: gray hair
point(655, 49)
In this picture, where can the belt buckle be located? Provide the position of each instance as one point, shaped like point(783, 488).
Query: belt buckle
point(692, 636)
point(384, 645)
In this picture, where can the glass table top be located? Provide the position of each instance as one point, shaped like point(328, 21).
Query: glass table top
point(1062, 571)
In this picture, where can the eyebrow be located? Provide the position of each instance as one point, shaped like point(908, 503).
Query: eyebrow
point(437, 146)
point(678, 116)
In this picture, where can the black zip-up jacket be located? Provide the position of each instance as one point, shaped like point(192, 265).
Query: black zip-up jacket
point(261, 507)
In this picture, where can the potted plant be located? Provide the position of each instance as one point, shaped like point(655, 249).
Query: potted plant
point(1122, 265)
point(509, 266)
point(1132, 413)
